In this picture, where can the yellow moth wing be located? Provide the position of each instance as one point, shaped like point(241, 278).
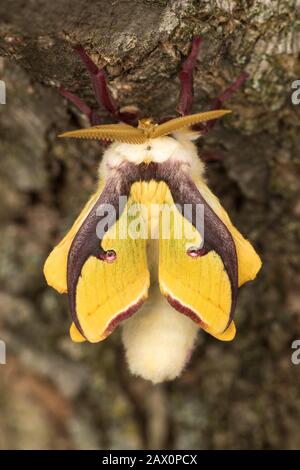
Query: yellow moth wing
point(249, 263)
point(109, 292)
point(55, 267)
point(227, 335)
point(75, 334)
point(199, 287)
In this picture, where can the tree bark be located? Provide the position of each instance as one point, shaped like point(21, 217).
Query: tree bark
point(55, 394)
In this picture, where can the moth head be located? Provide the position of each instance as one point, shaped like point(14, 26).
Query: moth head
point(147, 125)
point(147, 128)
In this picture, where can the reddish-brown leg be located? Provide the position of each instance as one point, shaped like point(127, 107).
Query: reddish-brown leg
point(94, 118)
point(186, 78)
point(82, 106)
point(186, 96)
point(102, 93)
point(217, 103)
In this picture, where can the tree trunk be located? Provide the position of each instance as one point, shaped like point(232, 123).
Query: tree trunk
point(55, 394)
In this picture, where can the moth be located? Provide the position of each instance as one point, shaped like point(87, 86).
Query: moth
point(172, 278)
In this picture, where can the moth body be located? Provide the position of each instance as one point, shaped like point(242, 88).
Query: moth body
point(118, 264)
point(158, 340)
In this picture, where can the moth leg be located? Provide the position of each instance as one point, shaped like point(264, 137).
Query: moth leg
point(186, 78)
point(219, 100)
point(93, 116)
point(101, 90)
point(102, 93)
point(226, 94)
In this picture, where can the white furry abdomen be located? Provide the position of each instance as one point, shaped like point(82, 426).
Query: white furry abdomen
point(158, 340)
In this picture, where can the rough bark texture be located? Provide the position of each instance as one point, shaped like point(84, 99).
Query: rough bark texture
point(55, 394)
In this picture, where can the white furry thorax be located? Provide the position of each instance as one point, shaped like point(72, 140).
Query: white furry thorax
point(178, 147)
